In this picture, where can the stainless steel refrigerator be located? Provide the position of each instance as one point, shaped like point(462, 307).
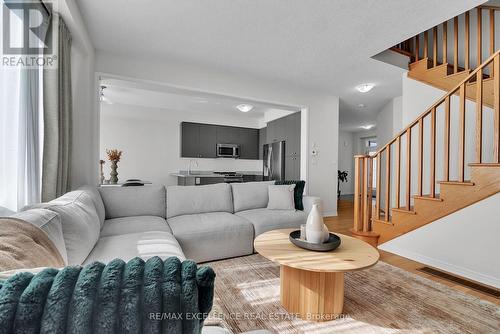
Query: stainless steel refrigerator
point(274, 161)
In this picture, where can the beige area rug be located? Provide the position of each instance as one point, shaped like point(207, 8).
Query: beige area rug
point(382, 299)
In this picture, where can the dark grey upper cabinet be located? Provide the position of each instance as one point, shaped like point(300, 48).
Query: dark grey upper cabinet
point(262, 141)
point(190, 138)
point(200, 140)
point(292, 134)
point(249, 142)
point(208, 141)
point(228, 135)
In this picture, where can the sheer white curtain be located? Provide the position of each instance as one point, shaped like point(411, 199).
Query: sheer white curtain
point(21, 131)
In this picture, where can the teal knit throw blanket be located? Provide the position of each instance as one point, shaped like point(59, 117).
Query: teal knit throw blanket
point(136, 297)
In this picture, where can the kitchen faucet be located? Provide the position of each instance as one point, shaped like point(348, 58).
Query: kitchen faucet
point(190, 165)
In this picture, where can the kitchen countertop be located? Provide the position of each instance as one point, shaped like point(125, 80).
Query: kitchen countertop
point(184, 173)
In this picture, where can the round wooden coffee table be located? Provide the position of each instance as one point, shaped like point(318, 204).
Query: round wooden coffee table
point(312, 283)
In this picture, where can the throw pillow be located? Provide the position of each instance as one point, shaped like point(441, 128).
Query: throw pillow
point(281, 197)
point(299, 192)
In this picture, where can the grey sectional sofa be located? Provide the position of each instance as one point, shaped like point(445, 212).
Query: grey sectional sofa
point(202, 223)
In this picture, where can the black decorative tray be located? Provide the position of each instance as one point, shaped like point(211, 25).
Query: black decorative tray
point(332, 243)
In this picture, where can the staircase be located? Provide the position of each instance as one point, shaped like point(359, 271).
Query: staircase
point(400, 188)
point(445, 55)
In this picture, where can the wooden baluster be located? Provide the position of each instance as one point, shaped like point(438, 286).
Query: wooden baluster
point(408, 168)
point(357, 193)
point(446, 165)
point(433, 154)
point(479, 37)
point(445, 42)
point(492, 34)
point(398, 170)
point(426, 43)
point(461, 149)
point(377, 214)
point(434, 46)
point(365, 193)
point(496, 107)
point(455, 44)
point(492, 31)
point(467, 40)
point(417, 47)
point(420, 155)
point(479, 115)
point(369, 194)
point(387, 182)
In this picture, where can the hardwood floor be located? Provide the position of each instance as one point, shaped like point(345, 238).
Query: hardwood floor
point(344, 221)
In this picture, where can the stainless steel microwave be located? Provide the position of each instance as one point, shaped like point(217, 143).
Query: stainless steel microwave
point(228, 150)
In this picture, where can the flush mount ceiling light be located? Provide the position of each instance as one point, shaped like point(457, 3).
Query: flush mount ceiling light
point(365, 88)
point(367, 127)
point(244, 107)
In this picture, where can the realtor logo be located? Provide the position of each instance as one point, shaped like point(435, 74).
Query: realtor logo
point(26, 38)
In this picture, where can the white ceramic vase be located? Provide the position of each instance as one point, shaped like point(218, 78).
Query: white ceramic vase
point(315, 226)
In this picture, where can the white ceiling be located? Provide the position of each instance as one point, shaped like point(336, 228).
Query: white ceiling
point(324, 45)
point(126, 92)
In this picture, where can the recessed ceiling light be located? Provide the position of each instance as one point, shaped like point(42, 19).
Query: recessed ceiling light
point(244, 107)
point(365, 88)
point(367, 127)
point(361, 105)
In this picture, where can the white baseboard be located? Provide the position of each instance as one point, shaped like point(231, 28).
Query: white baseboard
point(445, 266)
point(329, 213)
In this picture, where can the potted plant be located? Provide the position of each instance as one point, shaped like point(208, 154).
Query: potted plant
point(342, 177)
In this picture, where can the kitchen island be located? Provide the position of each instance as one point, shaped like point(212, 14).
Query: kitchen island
point(197, 178)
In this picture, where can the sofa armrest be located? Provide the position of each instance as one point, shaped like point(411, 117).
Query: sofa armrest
point(309, 201)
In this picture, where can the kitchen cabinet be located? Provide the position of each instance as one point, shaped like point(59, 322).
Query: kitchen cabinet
point(249, 143)
point(190, 138)
point(262, 141)
point(228, 135)
point(292, 167)
point(276, 130)
point(200, 140)
point(292, 134)
point(207, 143)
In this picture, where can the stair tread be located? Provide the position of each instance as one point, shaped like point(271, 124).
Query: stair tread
point(429, 198)
point(485, 164)
point(457, 183)
point(402, 210)
point(464, 72)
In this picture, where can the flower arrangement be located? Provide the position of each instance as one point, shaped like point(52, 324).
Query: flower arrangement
point(114, 155)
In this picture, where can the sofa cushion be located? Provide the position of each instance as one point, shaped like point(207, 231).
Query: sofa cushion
point(133, 201)
point(49, 222)
point(80, 223)
point(188, 200)
point(96, 198)
point(125, 225)
point(281, 197)
point(264, 220)
point(298, 192)
point(250, 195)
point(212, 236)
point(127, 246)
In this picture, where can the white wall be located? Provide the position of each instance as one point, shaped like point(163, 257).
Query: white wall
point(346, 160)
point(320, 109)
point(150, 141)
point(464, 243)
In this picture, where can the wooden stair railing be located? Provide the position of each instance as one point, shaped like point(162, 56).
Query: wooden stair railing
point(418, 48)
point(370, 171)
